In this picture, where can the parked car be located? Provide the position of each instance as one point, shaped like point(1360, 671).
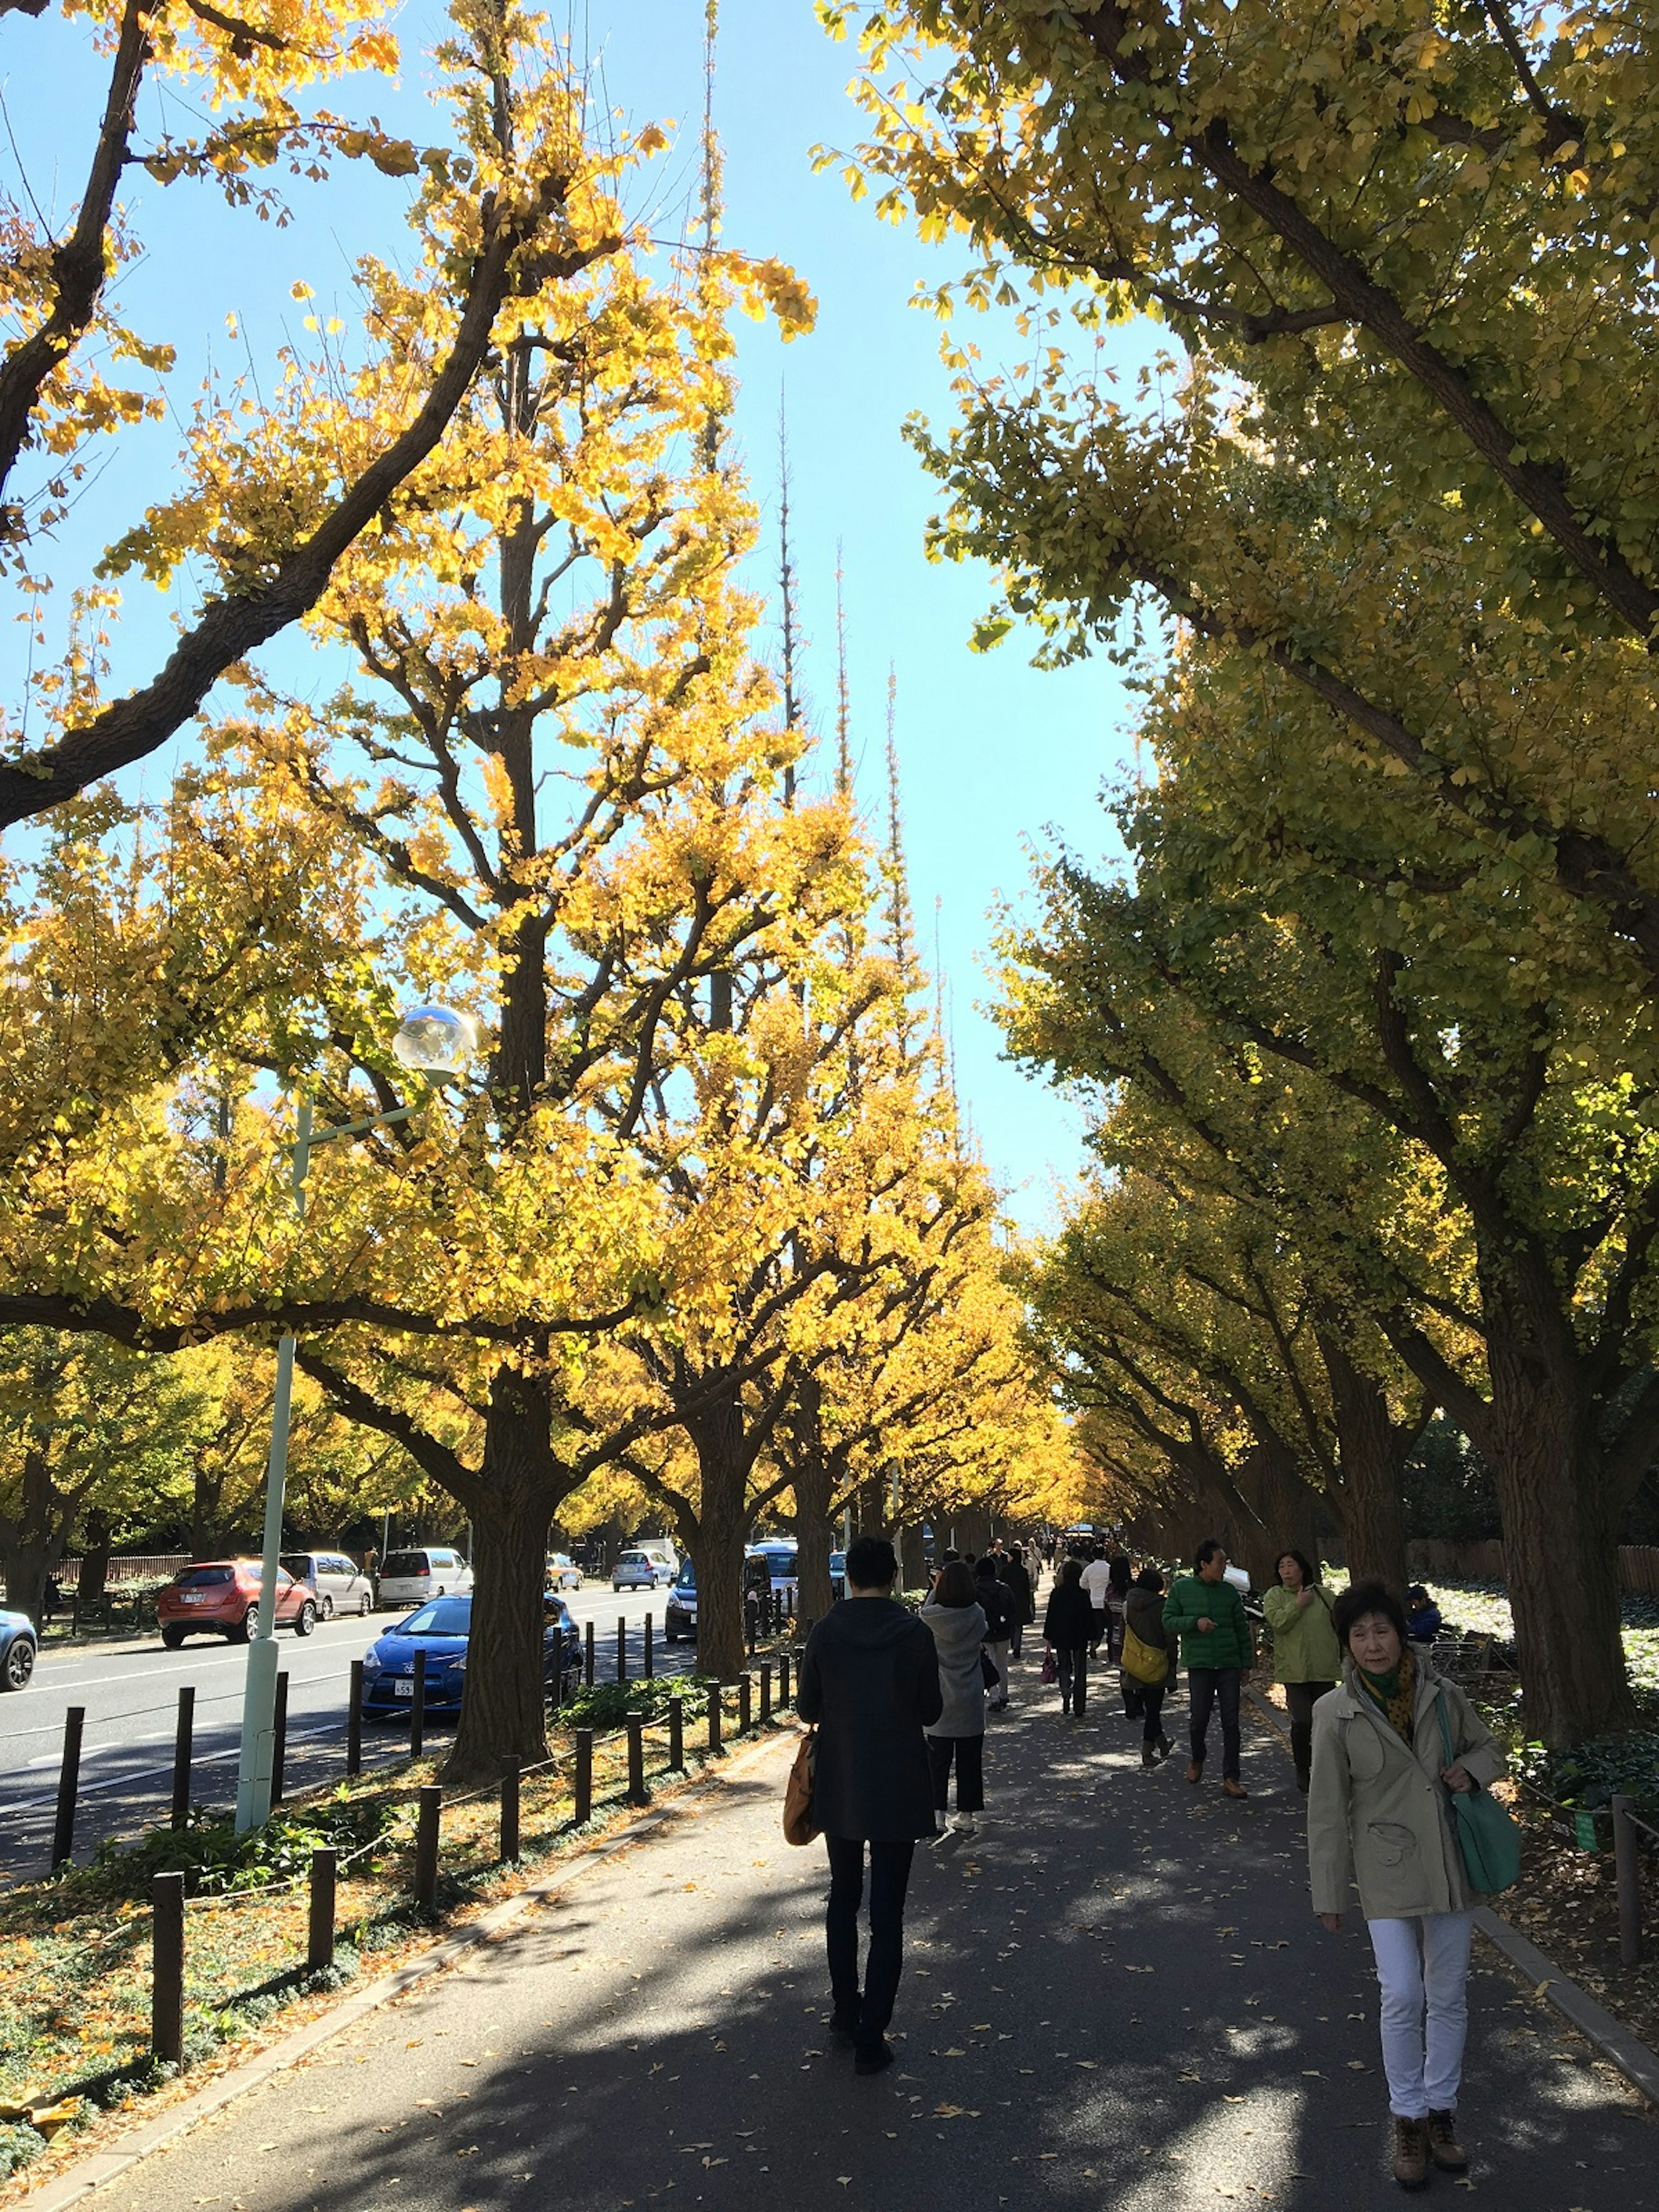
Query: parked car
point(221, 1597)
point(337, 1584)
point(410, 1577)
point(440, 1628)
point(766, 1567)
point(18, 1645)
point(562, 1572)
point(640, 1568)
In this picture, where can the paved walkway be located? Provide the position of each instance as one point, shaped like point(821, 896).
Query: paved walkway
point(1116, 1997)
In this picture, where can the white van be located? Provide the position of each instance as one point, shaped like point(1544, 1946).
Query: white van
point(410, 1577)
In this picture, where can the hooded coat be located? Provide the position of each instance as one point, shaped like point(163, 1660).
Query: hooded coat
point(1377, 1810)
point(869, 1679)
point(958, 1631)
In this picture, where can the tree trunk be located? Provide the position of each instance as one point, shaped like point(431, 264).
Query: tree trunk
point(1288, 1510)
point(717, 1434)
point(913, 1558)
point(503, 1714)
point(971, 1530)
point(32, 1544)
point(814, 1539)
point(95, 1558)
point(1372, 1453)
point(1560, 1554)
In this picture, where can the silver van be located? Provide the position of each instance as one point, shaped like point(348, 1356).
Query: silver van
point(642, 1566)
point(337, 1584)
point(410, 1577)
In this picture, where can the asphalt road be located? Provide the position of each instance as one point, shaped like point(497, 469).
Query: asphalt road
point(1115, 1995)
point(130, 1692)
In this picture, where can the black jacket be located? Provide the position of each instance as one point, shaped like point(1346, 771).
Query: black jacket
point(1069, 1622)
point(1018, 1584)
point(869, 1678)
point(998, 1603)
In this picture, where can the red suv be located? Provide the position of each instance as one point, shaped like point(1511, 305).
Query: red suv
point(223, 1596)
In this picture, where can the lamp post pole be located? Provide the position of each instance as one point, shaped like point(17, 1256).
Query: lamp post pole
point(435, 1042)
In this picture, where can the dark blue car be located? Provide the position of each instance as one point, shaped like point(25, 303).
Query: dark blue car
point(440, 1628)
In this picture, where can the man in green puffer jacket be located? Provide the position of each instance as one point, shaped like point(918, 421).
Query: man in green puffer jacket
point(1217, 1649)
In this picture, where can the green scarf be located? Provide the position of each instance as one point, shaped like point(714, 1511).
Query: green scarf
point(1394, 1695)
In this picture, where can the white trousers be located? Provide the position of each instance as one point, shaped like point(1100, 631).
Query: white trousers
point(999, 1657)
point(1423, 1969)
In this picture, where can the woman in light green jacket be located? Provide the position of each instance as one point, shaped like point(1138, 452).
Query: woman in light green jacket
point(1379, 1816)
point(1306, 1657)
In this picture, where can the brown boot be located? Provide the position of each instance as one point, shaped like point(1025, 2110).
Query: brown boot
point(1448, 2153)
point(1234, 1789)
point(1411, 2152)
point(1196, 1770)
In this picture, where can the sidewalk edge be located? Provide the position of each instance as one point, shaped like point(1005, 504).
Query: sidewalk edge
point(1626, 2052)
point(150, 2135)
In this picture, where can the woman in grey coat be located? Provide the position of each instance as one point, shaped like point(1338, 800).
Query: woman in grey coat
point(957, 1621)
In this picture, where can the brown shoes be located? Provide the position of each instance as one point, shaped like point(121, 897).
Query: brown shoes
point(1234, 1789)
point(1196, 1770)
point(1448, 2153)
point(1411, 2152)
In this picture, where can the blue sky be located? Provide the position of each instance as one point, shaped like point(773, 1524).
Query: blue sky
point(995, 756)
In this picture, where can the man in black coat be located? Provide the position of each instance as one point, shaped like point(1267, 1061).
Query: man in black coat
point(1016, 1579)
point(997, 1601)
point(869, 1678)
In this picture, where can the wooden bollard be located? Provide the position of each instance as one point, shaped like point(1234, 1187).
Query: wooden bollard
point(714, 1719)
point(509, 1835)
point(649, 1663)
point(417, 1709)
point(783, 1678)
point(167, 1974)
point(587, 1655)
point(184, 1737)
point(635, 1724)
point(68, 1787)
point(319, 1934)
point(745, 1704)
point(426, 1847)
point(582, 1810)
point(354, 1721)
point(766, 1691)
point(279, 1737)
point(677, 1735)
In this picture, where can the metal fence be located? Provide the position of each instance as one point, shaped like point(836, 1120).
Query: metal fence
point(1483, 1562)
point(131, 1567)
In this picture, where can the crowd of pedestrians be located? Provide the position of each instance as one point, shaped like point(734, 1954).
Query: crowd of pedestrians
point(1392, 1758)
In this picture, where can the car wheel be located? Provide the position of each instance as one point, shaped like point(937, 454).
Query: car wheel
point(19, 1664)
point(172, 1637)
point(306, 1619)
point(240, 1632)
point(365, 1606)
point(328, 1609)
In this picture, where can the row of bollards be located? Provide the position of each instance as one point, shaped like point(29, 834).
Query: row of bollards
point(167, 1890)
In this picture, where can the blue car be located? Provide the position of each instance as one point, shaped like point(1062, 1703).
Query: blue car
point(440, 1628)
point(17, 1650)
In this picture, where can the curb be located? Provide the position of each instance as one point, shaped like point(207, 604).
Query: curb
point(1632, 2056)
point(151, 2135)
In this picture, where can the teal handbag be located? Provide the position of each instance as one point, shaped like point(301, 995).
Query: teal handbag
point(1488, 1841)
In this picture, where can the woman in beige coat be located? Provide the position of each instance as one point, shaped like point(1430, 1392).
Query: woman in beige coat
point(1379, 1816)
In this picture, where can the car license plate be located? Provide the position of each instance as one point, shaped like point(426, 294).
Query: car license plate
point(195, 1597)
point(403, 1688)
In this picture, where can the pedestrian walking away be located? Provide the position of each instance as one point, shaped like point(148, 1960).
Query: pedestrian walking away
point(1097, 1581)
point(1119, 1576)
point(869, 1680)
point(1379, 1814)
point(996, 1600)
point(1208, 1615)
point(1147, 1645)
point(1307, 1659)
point(956, 1620)
point(1068, 1629)
point(1016, 1577)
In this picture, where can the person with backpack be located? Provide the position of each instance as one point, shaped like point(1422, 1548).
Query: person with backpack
point(1017, 1576)
point(996, 1601)
point(1068, 1629)
point(1307, 1660)
point(1392, 1747)
point(869, 1680)
point(1120, 1575)
point(1145, 1662)
point(1217, 1649)
point(957, 1619)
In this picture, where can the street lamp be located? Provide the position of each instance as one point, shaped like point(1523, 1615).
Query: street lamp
point(435, 1042)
